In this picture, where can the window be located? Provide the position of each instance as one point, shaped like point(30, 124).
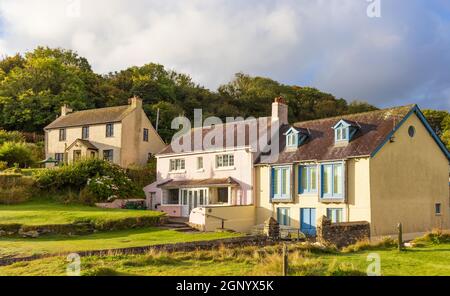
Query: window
point(281, 183)
point(145, 134)
point(224, 160)
point(85, 132)
point(307, 179)
point(333, 180)
point(222, 194)
point(62, 134)
point(437, 209)
point(177, 165)
point(335, 215)
point(59, 157)
point(93, 155)
point(109, 130)
point(283, 216)
point(292, 140)
point(411, 131)
point(199, 163)
point(172, 197)
point(108, 155)
point(341, 133)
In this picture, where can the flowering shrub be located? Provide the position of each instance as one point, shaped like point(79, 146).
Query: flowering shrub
point(96, 179)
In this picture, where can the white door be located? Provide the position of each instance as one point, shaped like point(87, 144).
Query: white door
point(193, 198)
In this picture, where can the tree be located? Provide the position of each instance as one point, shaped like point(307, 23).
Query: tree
point(33, 88)
point(16, 153)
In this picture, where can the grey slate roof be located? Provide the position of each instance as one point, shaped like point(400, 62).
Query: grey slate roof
point(92, 116)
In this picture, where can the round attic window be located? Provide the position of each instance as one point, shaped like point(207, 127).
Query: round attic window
point(411, 131)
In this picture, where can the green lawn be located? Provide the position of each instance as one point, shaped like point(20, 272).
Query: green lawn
point(55, 244)
point(48, 213)
point(427, 260)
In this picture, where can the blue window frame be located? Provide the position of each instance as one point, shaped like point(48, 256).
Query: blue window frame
point(332, 177)
point(307, 179)
point(283, 216)
point(335, 215)
point(281, 183)
point(308, 221)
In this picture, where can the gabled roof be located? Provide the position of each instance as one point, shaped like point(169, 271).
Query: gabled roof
point(375, 129)
point(92, 116)
point(85, 143)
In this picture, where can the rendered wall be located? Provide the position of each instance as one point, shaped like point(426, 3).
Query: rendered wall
point(408, 176)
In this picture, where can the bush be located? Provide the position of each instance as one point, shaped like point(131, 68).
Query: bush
point(96, 181)
point(385, 243)
point(437, 236)
point(16, 153)
point(3, 165)
point(14, 136)
point(15, 188)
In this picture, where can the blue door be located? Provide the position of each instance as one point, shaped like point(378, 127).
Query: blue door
point(308, 221)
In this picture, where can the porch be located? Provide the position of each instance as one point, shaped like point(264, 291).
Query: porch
point(179, 198)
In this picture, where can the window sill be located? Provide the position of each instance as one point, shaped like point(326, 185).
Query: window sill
point(282, 200)
point(225, 169)
point(200, 170)
point(308, 194)
point(177, 172)
point(332, 199)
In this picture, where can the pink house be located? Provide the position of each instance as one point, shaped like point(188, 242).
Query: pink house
point(200, 182)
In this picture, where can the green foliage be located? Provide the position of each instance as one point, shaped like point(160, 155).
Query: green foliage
point(440, 123)
point(385, 243)
point(101, 271)
point(100, 179)
point(15, 188)
point(436, 237)
point(16, 153)
point(13, 136)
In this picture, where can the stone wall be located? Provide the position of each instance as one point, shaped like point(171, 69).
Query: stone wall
point(342, 234)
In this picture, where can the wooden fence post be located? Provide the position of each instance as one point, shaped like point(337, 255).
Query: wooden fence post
point(400, 236)
point(285, 260)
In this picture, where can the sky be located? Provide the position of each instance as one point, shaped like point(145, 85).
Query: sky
point(386, 52)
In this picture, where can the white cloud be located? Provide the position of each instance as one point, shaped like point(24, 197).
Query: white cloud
point(331, 44)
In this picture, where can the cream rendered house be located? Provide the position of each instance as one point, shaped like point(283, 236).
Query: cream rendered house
point(123, 135)
point(384, 167)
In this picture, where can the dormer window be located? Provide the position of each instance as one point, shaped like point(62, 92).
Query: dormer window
point(295, 137)
point(344, 131)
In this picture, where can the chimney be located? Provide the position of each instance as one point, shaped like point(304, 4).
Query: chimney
point(65, 110)
point(135, 102)
point(280, 111)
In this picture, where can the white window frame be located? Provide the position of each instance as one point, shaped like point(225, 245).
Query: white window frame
point(177, 165)
point(224, 161)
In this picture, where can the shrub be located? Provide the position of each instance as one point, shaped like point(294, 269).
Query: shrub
point(13, 136)
point(16, 153)
point(15, 188)
point(3, 165)
point(142, 175)
point(76, 176)
point(385, 243)
point(437, 236)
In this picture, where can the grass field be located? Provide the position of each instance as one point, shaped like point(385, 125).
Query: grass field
point(427, 260)
point(55, 244)
point(47, 213)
